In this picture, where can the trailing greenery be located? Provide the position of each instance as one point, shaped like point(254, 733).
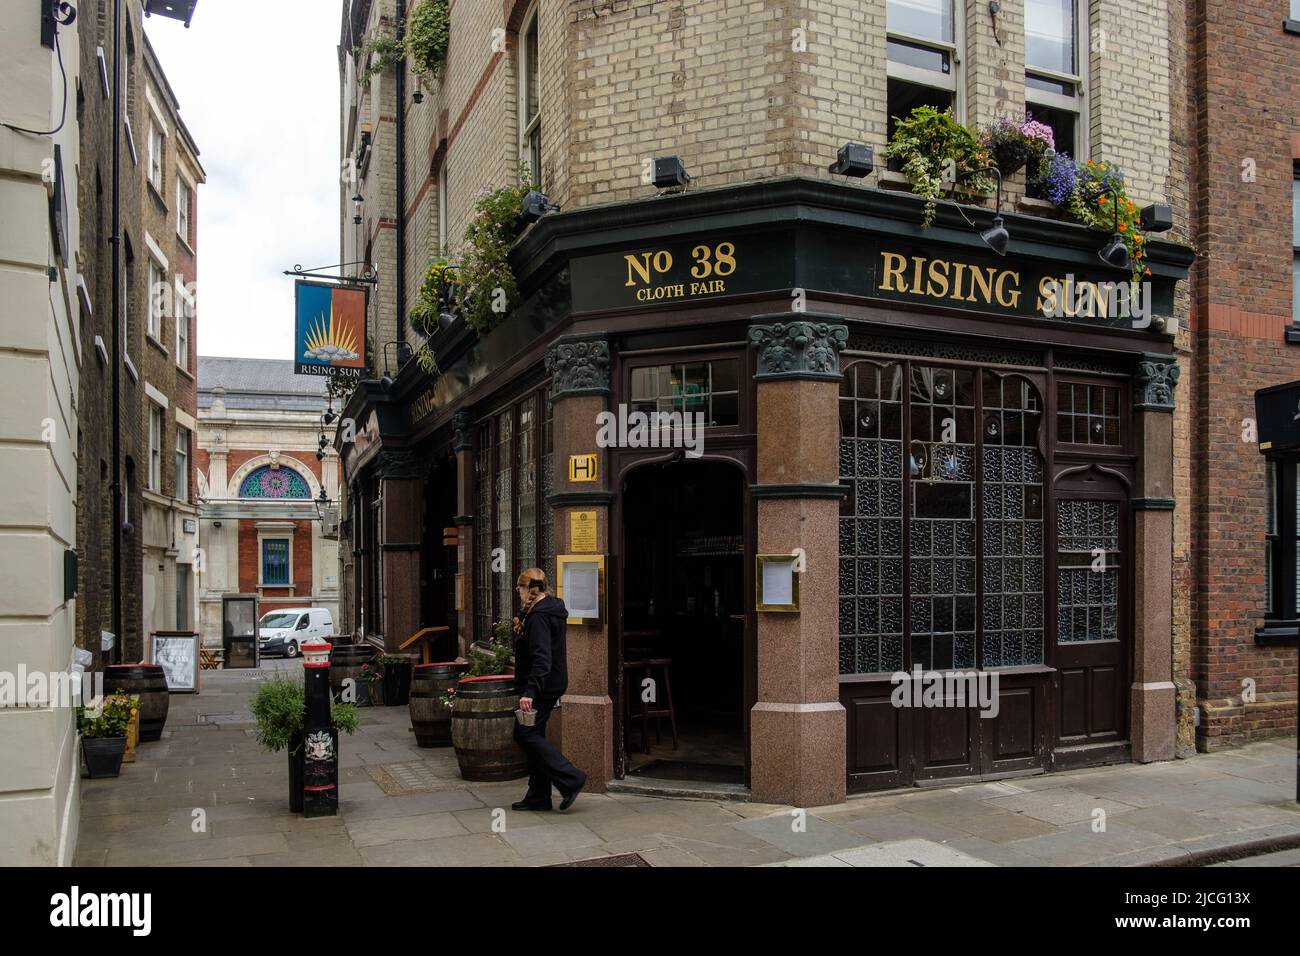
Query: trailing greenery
point(279, 707)
point(936, 151)
point(1067, 185)
point(435, 299)
point(427, 36)
point(110, 718)
point(490, 287)
point(381, 51)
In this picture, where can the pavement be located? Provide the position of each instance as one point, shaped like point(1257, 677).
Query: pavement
point(207, 795)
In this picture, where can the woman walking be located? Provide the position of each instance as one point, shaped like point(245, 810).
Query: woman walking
point(541, 675)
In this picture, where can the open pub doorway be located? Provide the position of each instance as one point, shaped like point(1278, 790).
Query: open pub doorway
point(683, 623)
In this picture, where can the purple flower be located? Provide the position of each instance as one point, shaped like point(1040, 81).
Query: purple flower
point(1036, 130)
point(1060, 180)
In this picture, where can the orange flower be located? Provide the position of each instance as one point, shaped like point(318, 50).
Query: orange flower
point(1101, 199)
point(1123, 228)
point(1147, 272)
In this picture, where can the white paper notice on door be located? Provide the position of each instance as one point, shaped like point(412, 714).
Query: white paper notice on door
point(778, 582)
point(582, 590)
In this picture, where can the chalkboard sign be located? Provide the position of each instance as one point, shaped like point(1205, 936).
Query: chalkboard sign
point(177, 653)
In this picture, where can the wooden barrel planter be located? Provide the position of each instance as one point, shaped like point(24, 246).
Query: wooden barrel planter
point(345, 662)
point(148, 682)
point(483, 729)
point(430, 719)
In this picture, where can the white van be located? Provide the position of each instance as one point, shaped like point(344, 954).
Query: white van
point(284, 630)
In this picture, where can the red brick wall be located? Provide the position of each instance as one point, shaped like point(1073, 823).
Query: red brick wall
point(250, 561)
point(1243, 115)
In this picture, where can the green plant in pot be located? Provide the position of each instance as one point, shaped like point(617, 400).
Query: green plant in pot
point(937, 153)
point(279, 708)
point(381, 51)
point(437, 299)
point(494, 656)
point(103, 729)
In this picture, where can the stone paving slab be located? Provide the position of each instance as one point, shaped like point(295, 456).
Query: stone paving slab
point(1155, 814)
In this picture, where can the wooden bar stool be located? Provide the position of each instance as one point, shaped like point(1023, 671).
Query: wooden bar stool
point(632, 671)
point(663, 705)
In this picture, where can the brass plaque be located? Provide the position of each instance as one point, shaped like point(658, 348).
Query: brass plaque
point(582, 532)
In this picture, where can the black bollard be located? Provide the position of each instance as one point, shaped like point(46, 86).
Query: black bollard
point(320, 777)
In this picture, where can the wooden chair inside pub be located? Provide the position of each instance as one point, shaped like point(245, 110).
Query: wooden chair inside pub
point(434, 645)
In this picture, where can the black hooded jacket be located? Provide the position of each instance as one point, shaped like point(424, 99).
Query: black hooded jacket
point(541, 660)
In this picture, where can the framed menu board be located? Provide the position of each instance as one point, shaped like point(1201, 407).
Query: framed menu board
point(177, 653)
point(581, 587)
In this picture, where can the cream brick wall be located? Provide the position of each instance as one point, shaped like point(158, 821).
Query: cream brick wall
point(720, 83)
point(40, 377)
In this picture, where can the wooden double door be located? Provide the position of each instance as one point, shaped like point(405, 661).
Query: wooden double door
point(982, 608)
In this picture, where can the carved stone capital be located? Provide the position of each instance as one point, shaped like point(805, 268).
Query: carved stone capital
point(462, 427)
point(1155, 380)
point(398, 464)
point(579, 365)
point(802, 348)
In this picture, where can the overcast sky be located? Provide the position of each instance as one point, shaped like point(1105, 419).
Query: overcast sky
point(259, 90)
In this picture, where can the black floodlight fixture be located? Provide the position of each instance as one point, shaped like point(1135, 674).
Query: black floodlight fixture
point(182, 10)
point(1114, 253)
point(854, 159)
point(418, 97)
point(995, 236)
point(669, 172)
point(1156, 218)
point(536, 205)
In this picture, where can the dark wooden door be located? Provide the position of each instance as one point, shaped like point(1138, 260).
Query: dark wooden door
point(1091, 632)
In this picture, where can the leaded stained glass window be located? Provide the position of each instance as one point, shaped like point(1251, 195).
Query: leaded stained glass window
point(268, 482)
point(973, 468)
point(1088, 570)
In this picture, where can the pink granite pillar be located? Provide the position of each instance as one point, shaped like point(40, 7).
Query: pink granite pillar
point(583, 728)
point(1152, 695)
point(797, 725)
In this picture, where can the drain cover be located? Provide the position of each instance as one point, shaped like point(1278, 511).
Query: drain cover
point(621, 860)
point(396, 779)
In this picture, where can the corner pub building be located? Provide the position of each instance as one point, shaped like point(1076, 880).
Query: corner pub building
point(975, 487)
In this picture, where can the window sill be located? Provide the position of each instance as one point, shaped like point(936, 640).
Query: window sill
point(1291, 26)
point(156, 343)
point(130, 367)
point(1293, 334)
point(1278, 632)
point(157, 194)
point(185, 242)
point(184, 371)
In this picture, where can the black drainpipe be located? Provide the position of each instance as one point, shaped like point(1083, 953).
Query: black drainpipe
point(401, 183)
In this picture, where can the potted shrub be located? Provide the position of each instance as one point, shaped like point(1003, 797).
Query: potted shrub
point(103, 730)
point(936, 153)
point(279, 708)
point(1014, 145)
point(394, 671)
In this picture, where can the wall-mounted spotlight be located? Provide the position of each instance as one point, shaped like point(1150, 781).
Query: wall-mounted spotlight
point(1156, 218)
point(669, 173)
point(418, 97)
point(854, 159)
point(996, 236)
point(536, 205)
point(357, 200)
point(182, 10)
point(1114, 253)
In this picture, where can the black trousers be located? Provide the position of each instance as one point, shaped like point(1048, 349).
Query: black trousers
point(546, 765)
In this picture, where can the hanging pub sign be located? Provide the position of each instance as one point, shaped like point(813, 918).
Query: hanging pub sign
point(1277, 415)
point(330, 330)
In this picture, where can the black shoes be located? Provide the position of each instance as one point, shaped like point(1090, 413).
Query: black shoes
point(572, 795)
point(532, 805)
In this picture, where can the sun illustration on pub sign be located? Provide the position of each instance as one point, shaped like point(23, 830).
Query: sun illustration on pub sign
point(331, 342)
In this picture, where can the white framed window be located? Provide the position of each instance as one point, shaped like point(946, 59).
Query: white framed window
point(1295, 10)
point(182, 464)
point(157, 428)
point(184, 324)
point(923, 56)
point(157, 297)
point(1056, 34)
point(444, 215)
point(183, 209)
point(530, 96)
point(156, 146)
